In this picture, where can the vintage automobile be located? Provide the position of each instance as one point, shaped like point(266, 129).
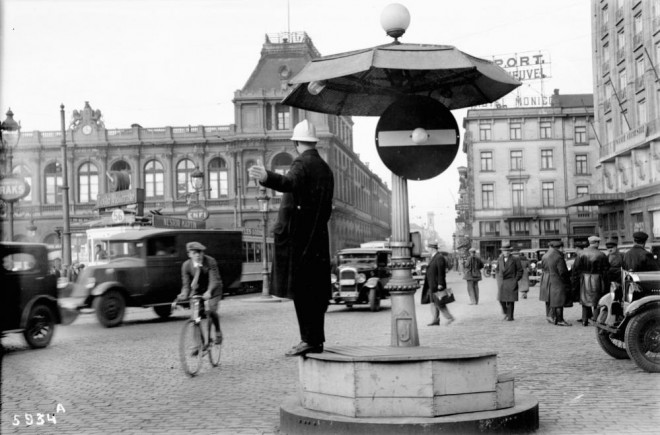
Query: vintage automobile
point(361, 276)
point(144, 270)
point(29, 293)
point(628, 320)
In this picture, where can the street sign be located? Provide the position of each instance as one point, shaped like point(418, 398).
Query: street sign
point(117, 216)
point(13, 189)
point(417, 138)
point(197, 213)
point(160, 221)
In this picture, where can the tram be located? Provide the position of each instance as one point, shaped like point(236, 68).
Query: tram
point(252, 274)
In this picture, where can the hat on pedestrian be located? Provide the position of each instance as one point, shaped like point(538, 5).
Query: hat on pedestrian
point(472, 250)
point(611, 243)
point(195, 246)
point(556, 244)
point(593, 239)
point(640, 237)
point(505, 247)
point(433, 245)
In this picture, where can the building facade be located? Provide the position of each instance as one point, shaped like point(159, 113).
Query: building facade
point(626, 53)
point(524, 166)
point(161, 161)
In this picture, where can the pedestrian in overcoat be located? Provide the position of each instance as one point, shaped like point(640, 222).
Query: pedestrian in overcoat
point(589, 278)
point(435, 281)
point(301, 266)
point(638, 259)
point(509, 271)
point(472, 275)
point(555, 287)
point(615, 259)
point(523, 284)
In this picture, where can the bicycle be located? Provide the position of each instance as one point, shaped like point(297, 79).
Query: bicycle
point(194, 343)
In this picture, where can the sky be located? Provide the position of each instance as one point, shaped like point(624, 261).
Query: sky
point(178, 62)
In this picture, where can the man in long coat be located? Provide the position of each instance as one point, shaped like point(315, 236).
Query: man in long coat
point(555, 287)
point(472, 274)
point(435, 281)
point(301, 267)
point(509, 272)
point(589, 278)
point(615, 258)
point(638, 259)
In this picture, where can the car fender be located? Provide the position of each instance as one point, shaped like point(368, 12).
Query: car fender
point(49, 301)
point(372, 282)
point(105, 286)
point(642, 304)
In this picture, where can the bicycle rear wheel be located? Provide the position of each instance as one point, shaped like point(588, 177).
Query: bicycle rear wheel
point(214, 349)
point(191, 347)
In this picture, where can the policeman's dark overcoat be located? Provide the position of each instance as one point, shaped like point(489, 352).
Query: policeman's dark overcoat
point(302, 246)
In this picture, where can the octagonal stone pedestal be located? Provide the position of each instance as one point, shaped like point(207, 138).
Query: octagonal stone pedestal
point(405, 389)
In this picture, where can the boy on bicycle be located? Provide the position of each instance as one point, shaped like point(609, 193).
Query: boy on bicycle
point(200, 275)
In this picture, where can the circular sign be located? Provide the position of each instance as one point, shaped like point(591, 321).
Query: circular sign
point(197, 213)
point(13, 189)
point(417, 138)
point(118, 216)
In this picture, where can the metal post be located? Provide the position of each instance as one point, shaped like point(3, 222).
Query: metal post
point(265, 289)
point(66, 231)
point(10, 204)
point(402, 286)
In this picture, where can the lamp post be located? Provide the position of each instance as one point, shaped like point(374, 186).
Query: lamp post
point(197, 181)
point(66, 230)
point(10, 134)
point(263, 199)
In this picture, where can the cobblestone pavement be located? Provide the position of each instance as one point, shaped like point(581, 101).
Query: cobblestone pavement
point(127, 380)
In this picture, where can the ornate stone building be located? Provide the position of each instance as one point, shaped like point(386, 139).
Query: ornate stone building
point(161, 161)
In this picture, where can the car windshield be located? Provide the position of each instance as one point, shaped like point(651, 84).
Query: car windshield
point(357, 258)
point(123, 249)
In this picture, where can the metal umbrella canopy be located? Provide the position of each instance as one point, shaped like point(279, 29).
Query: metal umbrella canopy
point(365, 82)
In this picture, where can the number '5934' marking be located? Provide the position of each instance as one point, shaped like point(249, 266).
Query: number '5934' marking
point(38, 418)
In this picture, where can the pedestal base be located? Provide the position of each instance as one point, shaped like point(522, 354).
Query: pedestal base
point(523, 417)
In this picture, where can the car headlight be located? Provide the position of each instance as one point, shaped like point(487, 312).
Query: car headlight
point(361, 278)
point(533, 265)
point(91, 282)
point(333, 278)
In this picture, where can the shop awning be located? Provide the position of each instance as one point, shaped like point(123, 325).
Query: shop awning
point(595, 199)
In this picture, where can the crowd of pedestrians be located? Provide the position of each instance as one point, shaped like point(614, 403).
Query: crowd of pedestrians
point(585, 283)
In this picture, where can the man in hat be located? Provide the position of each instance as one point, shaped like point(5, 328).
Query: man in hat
point(200, 276)
point(589, 278)
point(509, 272)
point(472, 274)
point(301, 267)
point(615, 259)
point(638, 259)
point(435, 281)
point(555, 286)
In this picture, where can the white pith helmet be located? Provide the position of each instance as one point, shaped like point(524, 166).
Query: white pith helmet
point(304, 131)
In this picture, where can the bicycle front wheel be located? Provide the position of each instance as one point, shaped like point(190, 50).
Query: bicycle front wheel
point(191, 348)
point(214, 349)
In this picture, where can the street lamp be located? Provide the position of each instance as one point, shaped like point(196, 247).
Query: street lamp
point(197, 181)
point(66, 230)
point(263, 199)
point(10, 134)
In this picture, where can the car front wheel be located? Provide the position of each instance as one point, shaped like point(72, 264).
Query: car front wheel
point(643, 340)
point(110, 308)
point(374, 300)
point(40, 326)
point(613, 347)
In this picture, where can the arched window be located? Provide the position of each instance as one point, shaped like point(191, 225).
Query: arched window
point(218, 179)
point(153, 179)
point(53, 180)
point(183, 171)
point(122, 165)
point(24, 172)
point(88, 182)
point(281, 164)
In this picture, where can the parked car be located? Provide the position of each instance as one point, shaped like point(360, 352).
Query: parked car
point(628, 320)
point(144, 270)
point(29, 293)
point(361, 276)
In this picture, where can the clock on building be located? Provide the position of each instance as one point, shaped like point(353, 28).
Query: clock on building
point(87, 129)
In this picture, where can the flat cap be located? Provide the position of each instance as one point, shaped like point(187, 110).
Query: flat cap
point(433, 245)
point(594, 239)
point(195, 246)
point(556, 243)
point(610, 243)
point(640, 236)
